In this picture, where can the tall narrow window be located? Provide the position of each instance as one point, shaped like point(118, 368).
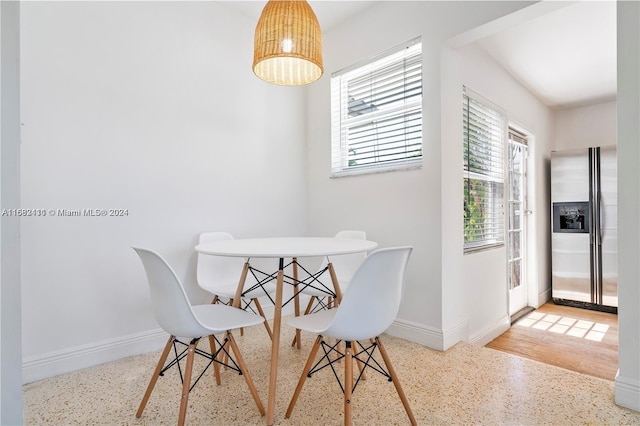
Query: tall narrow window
point(484, 172)
point(376, 113)
point(517, 204)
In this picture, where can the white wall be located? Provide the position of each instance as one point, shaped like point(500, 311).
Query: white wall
point(483, 274)
point(10, 332)
point(584, 127)
point(404, 207)
point(115, 96)
point(150, 107)
point(627, 386)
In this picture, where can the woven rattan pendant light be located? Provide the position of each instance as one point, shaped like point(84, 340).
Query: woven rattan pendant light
point(288, 44)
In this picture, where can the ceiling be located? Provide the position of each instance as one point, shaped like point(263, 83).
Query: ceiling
point(329, 12)
point(566, 57)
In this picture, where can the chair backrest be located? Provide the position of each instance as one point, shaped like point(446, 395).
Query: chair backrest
point(346, 265)
point(372, 301)
point(216, 272)
point(170, 303)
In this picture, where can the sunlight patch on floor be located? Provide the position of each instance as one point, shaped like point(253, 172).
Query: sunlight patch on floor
point(583, 329)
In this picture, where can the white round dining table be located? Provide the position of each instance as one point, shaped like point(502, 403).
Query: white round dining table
point(281, 248)
point(286, 247)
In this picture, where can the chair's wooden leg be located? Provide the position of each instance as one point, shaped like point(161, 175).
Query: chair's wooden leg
point(266, 323)
point(303, 377)
point(245, 373)
point(296, 301)
point(396, 382)
point(216, 366)
point(336, 285)
point(236, 302)
point(309, 305)
point(156, 374)
point(186, 383)
point(238, 296)
point(348, 382)
point(356, 349)
point(241, 328)
point(214, 300)
point(306, 312)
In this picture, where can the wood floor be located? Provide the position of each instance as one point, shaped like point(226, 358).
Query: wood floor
point(576, 339)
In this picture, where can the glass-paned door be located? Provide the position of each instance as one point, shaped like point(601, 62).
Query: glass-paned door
point(517, 221)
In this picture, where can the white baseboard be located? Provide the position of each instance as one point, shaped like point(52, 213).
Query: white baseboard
point(457, 333)
point(58, 362)
point(543, 297)
point(488, 334)
point(443, 340)
point(627, 392)
point(417, 333)
point(428, 336)
point(64, 361)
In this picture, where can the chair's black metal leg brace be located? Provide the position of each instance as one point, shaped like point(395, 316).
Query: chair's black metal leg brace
point(335, 349)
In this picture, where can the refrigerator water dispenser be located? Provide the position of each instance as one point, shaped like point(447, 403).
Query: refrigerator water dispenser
point(571, 217)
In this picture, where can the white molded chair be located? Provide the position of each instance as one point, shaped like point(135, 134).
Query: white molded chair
point(321, 293)
point(220, 275)
point(345, 265)
point(182, 320)
point(367, 309)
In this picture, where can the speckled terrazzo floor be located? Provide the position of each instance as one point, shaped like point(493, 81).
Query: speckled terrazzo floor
point(462, 386)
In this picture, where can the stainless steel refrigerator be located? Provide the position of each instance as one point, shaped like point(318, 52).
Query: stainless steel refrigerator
point(584, 238)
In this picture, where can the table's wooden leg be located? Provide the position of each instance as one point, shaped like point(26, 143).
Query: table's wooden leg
point(296, 300)
point(275, 346)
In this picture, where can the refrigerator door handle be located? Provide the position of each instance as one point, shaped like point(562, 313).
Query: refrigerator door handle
point(602, 218)
point(598, 228)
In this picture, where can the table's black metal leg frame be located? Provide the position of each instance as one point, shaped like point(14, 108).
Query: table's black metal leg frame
point(312, 280)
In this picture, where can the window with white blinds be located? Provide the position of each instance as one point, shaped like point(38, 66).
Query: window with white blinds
point(376, 113)
point(484, 172)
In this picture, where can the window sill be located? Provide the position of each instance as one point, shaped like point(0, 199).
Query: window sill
point(376, 170)
point(471, 250)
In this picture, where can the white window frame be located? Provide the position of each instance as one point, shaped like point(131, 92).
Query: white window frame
point(493, 173)
point(402, 118)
